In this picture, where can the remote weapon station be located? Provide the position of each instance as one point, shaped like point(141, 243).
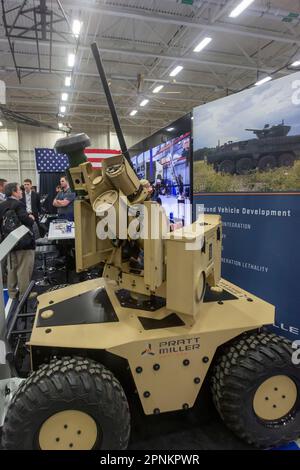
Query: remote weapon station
point(166, 326)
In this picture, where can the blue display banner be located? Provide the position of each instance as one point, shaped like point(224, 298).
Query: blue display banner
point(5, 296)
point(261, 249)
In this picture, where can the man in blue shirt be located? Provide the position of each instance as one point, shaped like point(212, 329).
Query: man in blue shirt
point(64, 200)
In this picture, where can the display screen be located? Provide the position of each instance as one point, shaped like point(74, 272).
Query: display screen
point(167, 166)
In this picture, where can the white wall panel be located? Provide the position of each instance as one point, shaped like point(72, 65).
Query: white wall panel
point(8, 155)
point(20, 143)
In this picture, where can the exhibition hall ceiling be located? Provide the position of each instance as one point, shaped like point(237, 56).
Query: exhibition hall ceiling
point(142, 42)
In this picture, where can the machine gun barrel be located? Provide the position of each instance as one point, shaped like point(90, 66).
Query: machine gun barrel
point(110, 102)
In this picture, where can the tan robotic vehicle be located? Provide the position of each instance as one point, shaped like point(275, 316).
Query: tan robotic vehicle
point(171, 324)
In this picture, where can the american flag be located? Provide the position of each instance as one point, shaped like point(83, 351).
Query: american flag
point(96, 156)
point(48, 161)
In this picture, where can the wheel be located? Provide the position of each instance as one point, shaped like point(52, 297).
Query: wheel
point(244, 165)
point(59, 286)
point(268, 162)
point(256, 390)
point(286, 159)
point(69, 404)
point(226, 166)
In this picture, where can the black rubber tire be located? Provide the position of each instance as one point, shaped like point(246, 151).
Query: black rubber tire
point(266, 163)
point(286, 159)
point(68, 383)
point(239, 371)
point(54, 288)
point(227, 167)
point(244, 166)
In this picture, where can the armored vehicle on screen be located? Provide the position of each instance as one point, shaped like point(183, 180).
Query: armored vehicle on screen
point(271, 148)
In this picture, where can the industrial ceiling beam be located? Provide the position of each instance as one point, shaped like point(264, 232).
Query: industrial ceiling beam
point(113, 77)
point(139, 14)
point(145, 55)
point(160, 96)
point(43, 102)
point(104, 118)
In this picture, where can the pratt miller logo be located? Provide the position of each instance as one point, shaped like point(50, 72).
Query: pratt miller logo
point(148, 351)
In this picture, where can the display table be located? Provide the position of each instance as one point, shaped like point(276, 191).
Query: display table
point(61, 230)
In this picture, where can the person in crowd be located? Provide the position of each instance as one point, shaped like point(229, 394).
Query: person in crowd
point(32, 201)
point(180, 185)
point(2, 189)
point(64, 200)
point(186, 150)
point(2, 199)
point(20, 261)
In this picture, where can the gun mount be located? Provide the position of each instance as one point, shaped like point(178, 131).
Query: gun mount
point(274, 131)
point(114, 192)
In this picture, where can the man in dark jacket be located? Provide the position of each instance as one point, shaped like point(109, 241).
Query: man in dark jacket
point(20, 261)
point(32, 201)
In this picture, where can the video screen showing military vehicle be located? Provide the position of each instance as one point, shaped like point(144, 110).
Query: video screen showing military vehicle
point(249, 141)
point(272, 147)
point(167, 167)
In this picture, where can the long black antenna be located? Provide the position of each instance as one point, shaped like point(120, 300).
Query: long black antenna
point(110, 102)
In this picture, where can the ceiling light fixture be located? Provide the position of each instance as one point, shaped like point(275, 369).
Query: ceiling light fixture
point(170, 129)
point(68, 80)
point(144, 102)
point(176, 71)
point(296, 64)
point(202, 44)
point(62, 109)
point(158, 88)
point(240, 8)
point(60, 125)
point(76, 27)
point(64, 96)
point(263, 80)
point(1, 124)
point(133, 112)
point(71, 60)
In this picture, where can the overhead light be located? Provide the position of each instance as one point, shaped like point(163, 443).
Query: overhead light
point(133, 112)
point(202, 44)
point(68, 80)
point(240, 8)
point(1, 124)
point(176, 71)
point(71, 60)
point(264, 80)
point(144, 102)
point(296, 64)
point(64, 96)
point(60, 125)
point(158, 88)
point(170, 129)
point(62, 109)
point(76, 27)
point(192, 118)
